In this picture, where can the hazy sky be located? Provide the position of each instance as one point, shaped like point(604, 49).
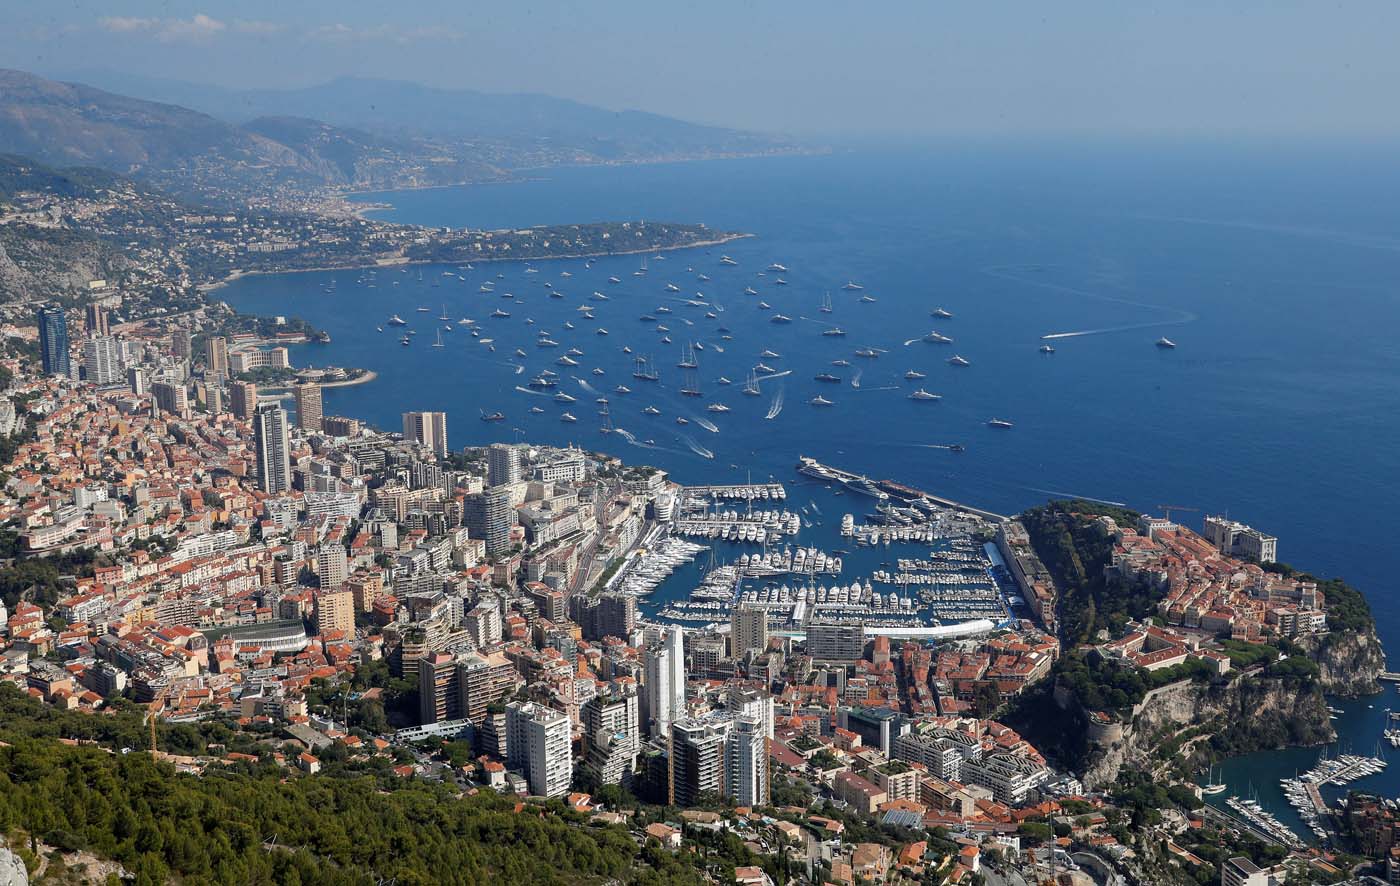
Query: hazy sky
point(1187, 67)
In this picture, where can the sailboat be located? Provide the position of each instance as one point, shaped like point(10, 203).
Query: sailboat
point(438, 343)
point(688, 360)
point(751, 385)
point(1214, 786)
point(826, 303)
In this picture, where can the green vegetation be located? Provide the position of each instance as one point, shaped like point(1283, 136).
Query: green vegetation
point(249, 824)
point(1101, 684)
point(1075, 549)
point(39, 580)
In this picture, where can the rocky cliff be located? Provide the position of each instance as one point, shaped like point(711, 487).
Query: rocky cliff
point(1248, 713)
point(1349, 662)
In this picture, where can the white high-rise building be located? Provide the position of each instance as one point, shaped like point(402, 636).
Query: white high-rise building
point(744, 702)
point(612, 732)
point(274, 456)
point(102, 357)
point(502, 464)
point(665, 683)
point(746, 762)
point(537, 744)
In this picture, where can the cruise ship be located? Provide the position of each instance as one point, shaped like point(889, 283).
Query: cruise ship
point(998, 423)
point(940, 312)
point(1165, 342)
point(921, 394)
point(959, 360)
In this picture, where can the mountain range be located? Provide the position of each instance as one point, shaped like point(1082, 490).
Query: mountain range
point(350, 132)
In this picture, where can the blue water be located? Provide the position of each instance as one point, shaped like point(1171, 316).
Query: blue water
point(1274, 270)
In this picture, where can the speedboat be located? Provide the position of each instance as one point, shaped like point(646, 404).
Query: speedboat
point(562, 397)
point(500, 313)
point(868, 299)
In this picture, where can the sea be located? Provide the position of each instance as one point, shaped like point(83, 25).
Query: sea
point(1275, 270)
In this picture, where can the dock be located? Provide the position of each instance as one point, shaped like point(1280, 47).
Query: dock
point(1389, 676)
point(910, 492)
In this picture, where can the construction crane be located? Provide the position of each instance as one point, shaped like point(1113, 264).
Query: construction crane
point(1167, 509)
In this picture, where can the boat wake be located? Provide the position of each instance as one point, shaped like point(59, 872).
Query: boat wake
point(1057, 494)
point(776, 407)
point(881, 388)
point(855, 379)
point(1178, 316)
point(697, 448)
point(783, 374)
point(705, 423)
point(583, 383)
point(524, 390)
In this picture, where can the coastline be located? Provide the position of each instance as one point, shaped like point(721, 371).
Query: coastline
point(282, 393)
point(360, 265)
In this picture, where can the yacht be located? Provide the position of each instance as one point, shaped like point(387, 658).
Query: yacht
point(867, 352)
point(777, 267)
point(598, 296)
point(781, 318)
point(998, 423)
point(763, 306)
point(622, 389)
point(703, 278)
point(562, 397)
point(614, 280)
point(819, 400)
point(537, 410)
point(852, 286)
point(651, 410)
point(959, 360)
point(726, 260)
point(671, 287)
point(662, 309)
point(1047, 349)
point(724, 381)
point(868, 299)
point(940, 312)
point(921, 394)
point(493, 416)
point(1165, 343)
point(780, 282)
point(626, 349)
point(682, 420)
point(597, 371)
point(771, 355)
point(566, 360)
point(568, 325)
point(396, 320)
point(717, 407)
point(914, 374)
point(500, 313)
point(938, 338)
point(829, 378)
point(520, 352)
point(764, 368)
point(566, 417)
point(601, 331)
point(749, 290)
point(840, 362)
point(750, 387)
point(423, 309)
